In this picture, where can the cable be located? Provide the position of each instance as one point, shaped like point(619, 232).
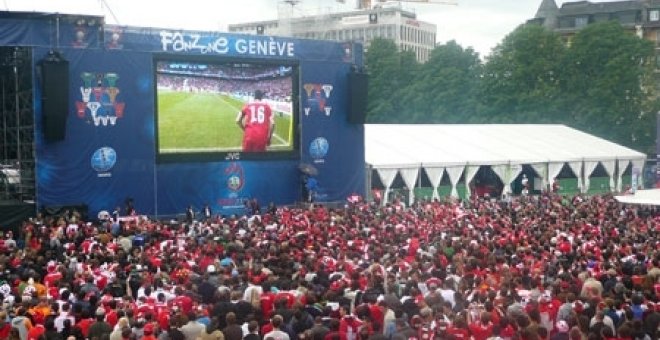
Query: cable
point(105, 5)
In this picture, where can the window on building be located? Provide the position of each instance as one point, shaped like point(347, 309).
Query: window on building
point(654, 15)
point(581, 22)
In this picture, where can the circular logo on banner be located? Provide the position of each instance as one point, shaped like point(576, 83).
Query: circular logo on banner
point(234, 183)
point(319, 148)
point(104, 159)
point(235, 179)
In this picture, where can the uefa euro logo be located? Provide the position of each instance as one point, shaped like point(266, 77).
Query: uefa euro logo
point(235, 180)
point(318, 148)
point(104, 159)
point(234, 183)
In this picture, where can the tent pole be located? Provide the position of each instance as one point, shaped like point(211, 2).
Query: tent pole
point(368, 182)
point(419, 177)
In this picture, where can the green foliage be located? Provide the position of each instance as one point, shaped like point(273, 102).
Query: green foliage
point(390, 71)
point(603, 82)
point(521, 77)
point(444, 90)
point(609, 84)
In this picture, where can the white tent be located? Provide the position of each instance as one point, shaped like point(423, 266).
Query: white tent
point(406, 149)
point(642, 197)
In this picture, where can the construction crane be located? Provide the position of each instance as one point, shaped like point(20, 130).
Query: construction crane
point(366, 4)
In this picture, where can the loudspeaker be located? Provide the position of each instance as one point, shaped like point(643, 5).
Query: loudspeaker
point(54, 97)
point(357, 96)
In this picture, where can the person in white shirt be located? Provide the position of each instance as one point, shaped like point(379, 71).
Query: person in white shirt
point(448, 292)
point(64, 315)
point(276, 333)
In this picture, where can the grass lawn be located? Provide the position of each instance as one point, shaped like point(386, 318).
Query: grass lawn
point(199, 122)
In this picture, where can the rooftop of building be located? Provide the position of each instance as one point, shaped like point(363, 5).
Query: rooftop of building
point(338, 15)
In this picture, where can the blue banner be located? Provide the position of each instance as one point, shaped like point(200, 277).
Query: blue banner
point(225, 44)
point(329, 142)
point(109, 153)
point(51, 30)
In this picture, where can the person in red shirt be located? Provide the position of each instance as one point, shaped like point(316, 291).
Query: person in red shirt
point(267, 301)
point(36, 332)
point(377, 315)
point(458, 330)
point(348, 323)
point(285, 295)
point(257, 122)
point(482, 328)
point(5, 327)
point(149, 332)
point(85, 322)
point(53, 276)
point(335, 332)
point(183, 301)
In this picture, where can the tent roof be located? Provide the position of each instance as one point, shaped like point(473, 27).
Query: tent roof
point(411, 145)
point(643, 197)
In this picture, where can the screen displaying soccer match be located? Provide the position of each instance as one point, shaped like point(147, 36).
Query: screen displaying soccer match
point(225, 107)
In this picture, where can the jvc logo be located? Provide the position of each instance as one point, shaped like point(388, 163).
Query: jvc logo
point(233, 156)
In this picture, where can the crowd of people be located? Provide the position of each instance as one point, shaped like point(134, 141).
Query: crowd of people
point(278, 89)
point(535, 267)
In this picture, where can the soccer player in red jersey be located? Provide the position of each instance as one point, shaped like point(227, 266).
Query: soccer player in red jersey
point(257, 121)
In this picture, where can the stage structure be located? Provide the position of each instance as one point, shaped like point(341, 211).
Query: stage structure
point(95, 114)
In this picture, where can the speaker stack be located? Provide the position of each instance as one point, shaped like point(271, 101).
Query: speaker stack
point(357, 94)
point(54, 96)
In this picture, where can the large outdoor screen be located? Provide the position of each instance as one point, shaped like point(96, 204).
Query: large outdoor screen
point(226, 108)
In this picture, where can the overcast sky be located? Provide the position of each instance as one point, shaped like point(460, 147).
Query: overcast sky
point(481, 24)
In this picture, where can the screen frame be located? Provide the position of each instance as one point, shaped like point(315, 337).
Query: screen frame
point(219, 156)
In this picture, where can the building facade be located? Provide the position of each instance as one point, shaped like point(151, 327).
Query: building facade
point(363, 26)
point(639, 16)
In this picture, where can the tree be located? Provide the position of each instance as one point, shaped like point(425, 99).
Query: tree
point(609, 84)
point(444, 89)
point(521, 78)
point(390, 72)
